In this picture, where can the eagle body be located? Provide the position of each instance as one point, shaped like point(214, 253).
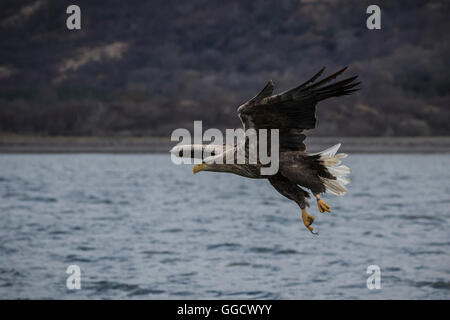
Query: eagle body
point(290, 112)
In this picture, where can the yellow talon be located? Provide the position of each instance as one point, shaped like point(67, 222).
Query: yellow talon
point(323, 206)
point(308, 220)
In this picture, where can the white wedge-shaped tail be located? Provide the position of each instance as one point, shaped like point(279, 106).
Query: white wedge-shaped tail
point(332, 162)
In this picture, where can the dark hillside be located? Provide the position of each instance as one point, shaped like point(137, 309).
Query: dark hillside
point(148, 67)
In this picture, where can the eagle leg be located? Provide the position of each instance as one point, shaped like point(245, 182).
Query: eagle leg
point(323, 206)
point(308, 220)
point(293, 192)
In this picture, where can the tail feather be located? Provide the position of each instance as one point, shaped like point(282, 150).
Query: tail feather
point(341, 155)
point(334, 187)
point(339, 171)
point(343, 180)
point(330, 152)
point(332, 162)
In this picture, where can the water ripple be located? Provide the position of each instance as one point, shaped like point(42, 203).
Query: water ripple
point(140, 227)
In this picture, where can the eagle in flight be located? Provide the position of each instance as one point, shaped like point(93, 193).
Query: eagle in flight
point(291, 112)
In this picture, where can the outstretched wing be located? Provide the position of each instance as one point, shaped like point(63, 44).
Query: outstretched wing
point(294, 110)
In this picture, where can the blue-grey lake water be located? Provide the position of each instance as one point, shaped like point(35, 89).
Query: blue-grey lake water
point(140, 227)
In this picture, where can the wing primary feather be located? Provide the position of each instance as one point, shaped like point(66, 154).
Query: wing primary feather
point(338, 84)
point(327, 79)
point(265, 92)
point(336, 91)
point(304, 84)
point(314, 78)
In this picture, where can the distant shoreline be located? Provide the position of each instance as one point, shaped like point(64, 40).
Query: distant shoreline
point(37, 144)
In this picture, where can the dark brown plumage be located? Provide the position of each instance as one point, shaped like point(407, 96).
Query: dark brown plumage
point(292, 112)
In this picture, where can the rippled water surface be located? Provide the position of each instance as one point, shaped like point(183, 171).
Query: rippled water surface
point(140, 227)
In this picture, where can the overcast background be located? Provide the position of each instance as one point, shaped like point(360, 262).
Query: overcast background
point(147, 67)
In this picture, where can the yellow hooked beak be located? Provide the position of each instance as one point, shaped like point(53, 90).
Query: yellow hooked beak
point(199, 167)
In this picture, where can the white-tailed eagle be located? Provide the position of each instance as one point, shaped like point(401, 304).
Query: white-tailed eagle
point(291, 112)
